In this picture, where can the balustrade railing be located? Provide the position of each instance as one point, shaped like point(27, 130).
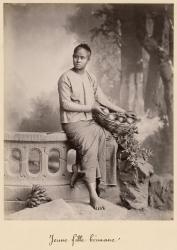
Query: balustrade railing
point(38, 158)
point(35, 158)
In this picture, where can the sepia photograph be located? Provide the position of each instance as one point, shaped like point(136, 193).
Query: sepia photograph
point(88, 111)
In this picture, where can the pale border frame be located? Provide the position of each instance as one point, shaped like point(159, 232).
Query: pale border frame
point(33, 235)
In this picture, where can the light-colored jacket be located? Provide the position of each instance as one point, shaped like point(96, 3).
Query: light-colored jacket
point(76, 92)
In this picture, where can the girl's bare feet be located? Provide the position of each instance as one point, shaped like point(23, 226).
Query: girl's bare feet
point(97, 203)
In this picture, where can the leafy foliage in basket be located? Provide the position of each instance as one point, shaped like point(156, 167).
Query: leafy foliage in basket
point(123, 127)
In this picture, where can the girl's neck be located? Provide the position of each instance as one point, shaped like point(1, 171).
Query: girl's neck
point(80, 72)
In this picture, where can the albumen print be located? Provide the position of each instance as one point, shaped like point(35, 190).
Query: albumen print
point(88, 111)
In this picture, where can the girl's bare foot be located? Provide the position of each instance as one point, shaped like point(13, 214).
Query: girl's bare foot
point(74, 175)
point(77, 173)
point(97, 203)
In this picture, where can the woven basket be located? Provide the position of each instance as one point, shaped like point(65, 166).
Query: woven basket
point(114, 126)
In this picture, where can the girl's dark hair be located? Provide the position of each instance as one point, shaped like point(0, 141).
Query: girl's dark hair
point(83, 46)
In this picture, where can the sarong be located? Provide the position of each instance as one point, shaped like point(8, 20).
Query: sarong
point(89, 141)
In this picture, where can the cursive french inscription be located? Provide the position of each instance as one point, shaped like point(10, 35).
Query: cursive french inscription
point(79, 238)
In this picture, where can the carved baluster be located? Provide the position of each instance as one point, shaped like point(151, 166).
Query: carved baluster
point(44, 162)
point(25, 155)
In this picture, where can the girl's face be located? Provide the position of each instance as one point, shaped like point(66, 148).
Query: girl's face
point(81, 58)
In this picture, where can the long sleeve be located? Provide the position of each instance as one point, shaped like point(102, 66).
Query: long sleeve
point(66, 102)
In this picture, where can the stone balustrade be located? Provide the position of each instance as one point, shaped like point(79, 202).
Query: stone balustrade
point(39, 158)
point(36, 158)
